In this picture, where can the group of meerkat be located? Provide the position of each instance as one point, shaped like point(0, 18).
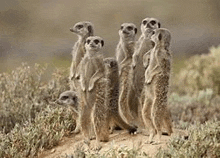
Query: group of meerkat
point(129, 90)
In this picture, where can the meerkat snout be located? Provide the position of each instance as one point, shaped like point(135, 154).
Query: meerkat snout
point(71, 29)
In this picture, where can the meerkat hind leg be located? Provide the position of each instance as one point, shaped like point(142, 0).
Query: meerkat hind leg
point(101, 125)
point(168, 123)
point(146, 114)
point(157, 115)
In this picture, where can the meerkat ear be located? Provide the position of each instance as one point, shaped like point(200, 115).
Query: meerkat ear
point(135, 30)
point(160, 37)
point(159, 25)
point(102, 42)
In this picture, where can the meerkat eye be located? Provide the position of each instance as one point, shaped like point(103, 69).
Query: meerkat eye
point(144, 22)
point(96, 41)
point(79, 26)
point(64, 97)
point(153, 32)
point(74, 98)
point(153, 22)
point(130, 28)
point(88, 41)
point(122, 27)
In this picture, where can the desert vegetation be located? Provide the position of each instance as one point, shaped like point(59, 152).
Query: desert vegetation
point(30, 122)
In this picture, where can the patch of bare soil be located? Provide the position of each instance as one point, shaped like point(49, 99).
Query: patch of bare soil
point(119, 138)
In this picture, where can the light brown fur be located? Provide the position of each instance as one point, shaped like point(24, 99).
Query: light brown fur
point(83, 30)
point(124, 52)
point(112, 95)
point(94, 112)
point(143, 45)
point(156, 86)
point(125, 47)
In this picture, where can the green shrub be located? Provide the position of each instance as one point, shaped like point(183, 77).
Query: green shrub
point(201, 72)
point(203, 141)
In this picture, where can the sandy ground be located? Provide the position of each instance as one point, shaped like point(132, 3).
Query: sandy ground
point(117, 139)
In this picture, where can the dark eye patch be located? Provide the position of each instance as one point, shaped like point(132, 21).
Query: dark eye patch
point(144, 22)
point(74, 98)
point(88, 41)
point(130, 28)
point(153, 32)
point(122, 27)
point(96, 41)
point(153, 22)
point(79, 26)
point(64, 97)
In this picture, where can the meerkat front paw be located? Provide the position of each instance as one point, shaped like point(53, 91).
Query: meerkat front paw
point(83, 87)
point(91, 86)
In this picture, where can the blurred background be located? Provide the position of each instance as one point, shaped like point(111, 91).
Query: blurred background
point(38, 31)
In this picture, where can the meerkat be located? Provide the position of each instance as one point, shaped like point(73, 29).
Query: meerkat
point(143, 45)
point(124, 52)
point(94, 114)
point(156, 85)
point(69, 98)
point(83, 30)
point(112, 95)
point(125, 46)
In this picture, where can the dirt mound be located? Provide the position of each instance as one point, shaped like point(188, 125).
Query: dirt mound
point(117, 139)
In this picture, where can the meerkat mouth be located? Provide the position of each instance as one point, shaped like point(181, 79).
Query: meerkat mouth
point(125, 32)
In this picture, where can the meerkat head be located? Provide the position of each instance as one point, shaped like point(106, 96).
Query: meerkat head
point(68, 98)
point(94, 44)
point(161, 36)
point(110, 63)
point(148, 25)
point(128, 31)
point(83, 28)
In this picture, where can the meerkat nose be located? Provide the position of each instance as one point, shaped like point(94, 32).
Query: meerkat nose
point(71, 30)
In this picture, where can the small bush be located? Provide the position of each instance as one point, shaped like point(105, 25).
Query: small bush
point(189, 109)
point(203, 141)
point(23, 94)
point(201, 72)
point(47, 130)
point(114, 151)
point(29, 120)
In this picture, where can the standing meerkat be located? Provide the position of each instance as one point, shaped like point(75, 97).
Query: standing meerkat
point(112, 95)
point(94, 114)
point(158, 64)
point(125, 47)
point(83, 30)
point(144, 44)
point(124, 52)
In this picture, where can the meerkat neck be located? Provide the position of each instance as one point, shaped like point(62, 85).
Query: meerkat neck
point(91, 53)
point(81, 39)
point(128, 46)
point(160, 46)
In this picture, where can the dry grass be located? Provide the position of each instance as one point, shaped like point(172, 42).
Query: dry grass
point(30, 122)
